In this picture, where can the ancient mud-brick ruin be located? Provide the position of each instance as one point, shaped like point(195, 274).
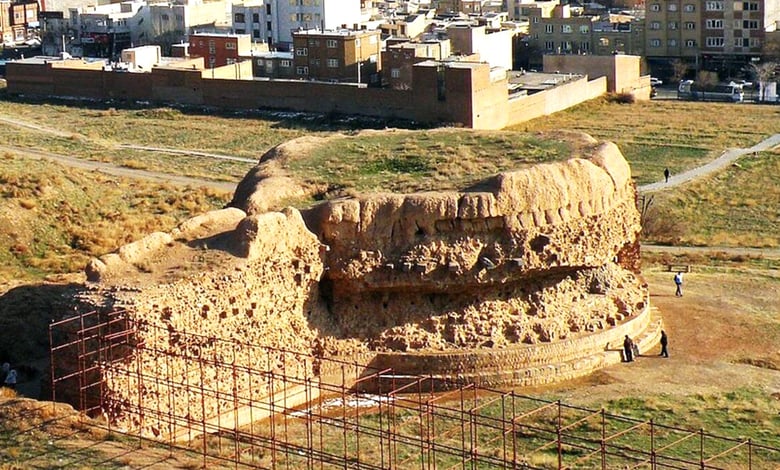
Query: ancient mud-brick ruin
point(528, 277)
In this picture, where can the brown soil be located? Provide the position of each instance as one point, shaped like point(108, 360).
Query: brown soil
point(723, 334)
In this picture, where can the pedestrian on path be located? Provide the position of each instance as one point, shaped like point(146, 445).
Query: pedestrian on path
point(628, 349)
point(664, 343)
point(678, 281)
point(666, 174)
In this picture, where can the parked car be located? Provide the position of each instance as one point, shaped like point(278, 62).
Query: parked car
point(656, 81)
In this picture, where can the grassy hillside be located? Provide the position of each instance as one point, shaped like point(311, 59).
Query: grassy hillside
point(54, 218)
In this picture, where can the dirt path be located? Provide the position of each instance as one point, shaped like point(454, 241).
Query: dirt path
point(726, 158)
point(116, 170)
point(713, 330)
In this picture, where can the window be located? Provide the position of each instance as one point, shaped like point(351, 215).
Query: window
point(715, 42)
point(741, 42)
point(333, 63)
point(566, 46)
point(314, 42)
point(585, 46)
point(230, 45)
point(268, 26)
point(672, 43)
point(548, 28)
point(604, 42)
point(212, 47)
point(690, 25)
point(256, 17)
point(285, 63)
point(300, 70)
point(655, 25)
point(690, 43)
point(672, 25)
point(256, 34)
point(713, 6)
point(655, 7)
point(179, 18)
point(714, 24)
point(750, 6)
point(230, 61)
point(536, 19)
point(303, 51)
point(260, 62)
point(164, 17)
point(689, 7)
point(268, 9)
point(750, 24)
point(655, 43)
point(566, 28)
point(584, 29)
point(395, 73)
point(239, 18)
point(332, 43)
point(240, 31)
point(315, 62)
point(671, 7)
point(549, 45)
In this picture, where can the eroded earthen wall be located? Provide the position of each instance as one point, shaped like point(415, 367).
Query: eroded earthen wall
point(533, 258)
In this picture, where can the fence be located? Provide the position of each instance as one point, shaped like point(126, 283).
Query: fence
point(279, 409)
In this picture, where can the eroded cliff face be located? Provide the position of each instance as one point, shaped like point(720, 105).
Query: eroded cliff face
point(530, 257)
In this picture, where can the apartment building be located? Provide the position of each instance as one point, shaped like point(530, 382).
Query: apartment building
point(560, 33)
point(342, 55)
point(17, 18)
point(104, 30)
point(219, 50)
point(720, 35)
point(254, 18)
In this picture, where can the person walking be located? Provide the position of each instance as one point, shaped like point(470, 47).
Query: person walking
point(678, 281)
point(628, 349)
point(666, 174)
point(664, 344)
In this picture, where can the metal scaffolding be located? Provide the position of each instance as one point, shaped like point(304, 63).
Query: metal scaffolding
point(254, 406)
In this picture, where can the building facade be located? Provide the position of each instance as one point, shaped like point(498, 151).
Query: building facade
point(717, 35)
point(17, 19)
point(338, 55)
point(219, 50)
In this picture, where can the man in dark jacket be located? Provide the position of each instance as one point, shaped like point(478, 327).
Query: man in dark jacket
point(628, 349)
point(664, 343)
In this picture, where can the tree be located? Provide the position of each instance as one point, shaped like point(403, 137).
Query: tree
point(764, 73)
point(679, 70)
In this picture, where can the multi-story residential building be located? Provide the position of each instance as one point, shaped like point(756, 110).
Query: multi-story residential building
point(274, 21)
point(720, 35)
point(275, 64)
point(218, 50)
point(338, 55)
point(295, 15)
point(622, 36)
point(407, 26)
point(17, 18)
point(104, 30)
point(399, 59)
point(254, 18)
point(560, 33)
point(493, 46)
